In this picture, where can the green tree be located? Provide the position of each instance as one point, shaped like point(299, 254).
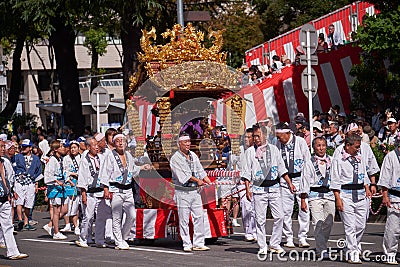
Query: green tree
point(13, 35)
point(242, 30)
point(95, 41)
point(379, 72)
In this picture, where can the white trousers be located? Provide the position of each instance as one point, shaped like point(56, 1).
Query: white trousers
point(392, 231)
point(7, 229)
point(261, 203)
point(304, 217)
point(354, 219)
point(99, 206)
point(122, 203)
point(248, 216)
point(189, 203)
point(322, 216)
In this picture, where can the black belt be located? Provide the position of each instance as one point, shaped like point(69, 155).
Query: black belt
point(3, 199)
point(353, 186)
point(294, 175)
point(269, 183)
point(94, 189)
point(394, 192)
point(185, 188)
point(121, 186)
point(320, 189)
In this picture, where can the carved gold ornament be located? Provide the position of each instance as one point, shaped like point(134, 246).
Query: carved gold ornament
point(184, 45)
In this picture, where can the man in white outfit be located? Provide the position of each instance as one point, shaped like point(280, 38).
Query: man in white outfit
point(6, 225)
point(265, 167)
point(314, 185)
point(248, 216)
point(188, 175)
point(349, 182)
point(389, 180)
point(92, 196)
point(117, 178)
point(295, 153)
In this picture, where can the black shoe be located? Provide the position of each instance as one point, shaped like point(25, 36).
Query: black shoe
point(20, 225)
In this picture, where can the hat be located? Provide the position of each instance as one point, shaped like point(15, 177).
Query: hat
point(369, 131)
point(350, 127)
point(318, 125)
point(9, 144)
point(26, 143)
point(65, 142)
point(3, 137)
point(342, 114)
point(81, 139)
point(391, 120)
point(330, 122)
point(65, 127)
point(99, 136)
point(74, 142)
point(299, 119)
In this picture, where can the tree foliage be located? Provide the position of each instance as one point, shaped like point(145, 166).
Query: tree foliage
point(379, 73)
point(242, 31)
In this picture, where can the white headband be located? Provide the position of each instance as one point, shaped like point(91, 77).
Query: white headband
point(184, 138)
point(118, 136)
point(282, 131)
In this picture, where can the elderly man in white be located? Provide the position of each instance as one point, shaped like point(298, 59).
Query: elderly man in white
point(116, 176)
point(314, 185)
point(188, 175)
point(295, 153)
point(349, 182)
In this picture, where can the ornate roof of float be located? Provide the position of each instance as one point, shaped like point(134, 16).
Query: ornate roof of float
point(185, 62)
point(185, 44)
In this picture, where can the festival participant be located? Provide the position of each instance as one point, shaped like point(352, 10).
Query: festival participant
point(314, 184)
point(71, 166)
point(28, 170)
point(82, 144)
point(295, 153)
point(248, 216)
point(117, 178)
point(389, 180)
point(55, 180)
point(109, 137)
point(106, 150)
point(6, 225)
point(349, 183)
point(92, 196)
point(265, 167)
point(188, 175)
point(368, 157)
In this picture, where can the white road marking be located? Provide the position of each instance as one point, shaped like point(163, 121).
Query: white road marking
point(131, 248)
point(47, 241)
point(310, 238)
point(161, 251)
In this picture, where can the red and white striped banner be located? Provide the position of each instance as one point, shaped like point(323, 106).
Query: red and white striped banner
point(280, 96)
point(153, 223)
point(345, 20)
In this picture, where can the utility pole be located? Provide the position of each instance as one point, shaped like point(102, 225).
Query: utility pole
point(3, 80)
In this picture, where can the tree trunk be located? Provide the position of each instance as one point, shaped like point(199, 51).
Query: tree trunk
point(16, 84)
point(63, 41)
point(35, 81)
point(130, 39)
point(94, 69)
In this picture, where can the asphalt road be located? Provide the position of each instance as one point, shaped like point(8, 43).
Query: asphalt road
point(228, 251)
